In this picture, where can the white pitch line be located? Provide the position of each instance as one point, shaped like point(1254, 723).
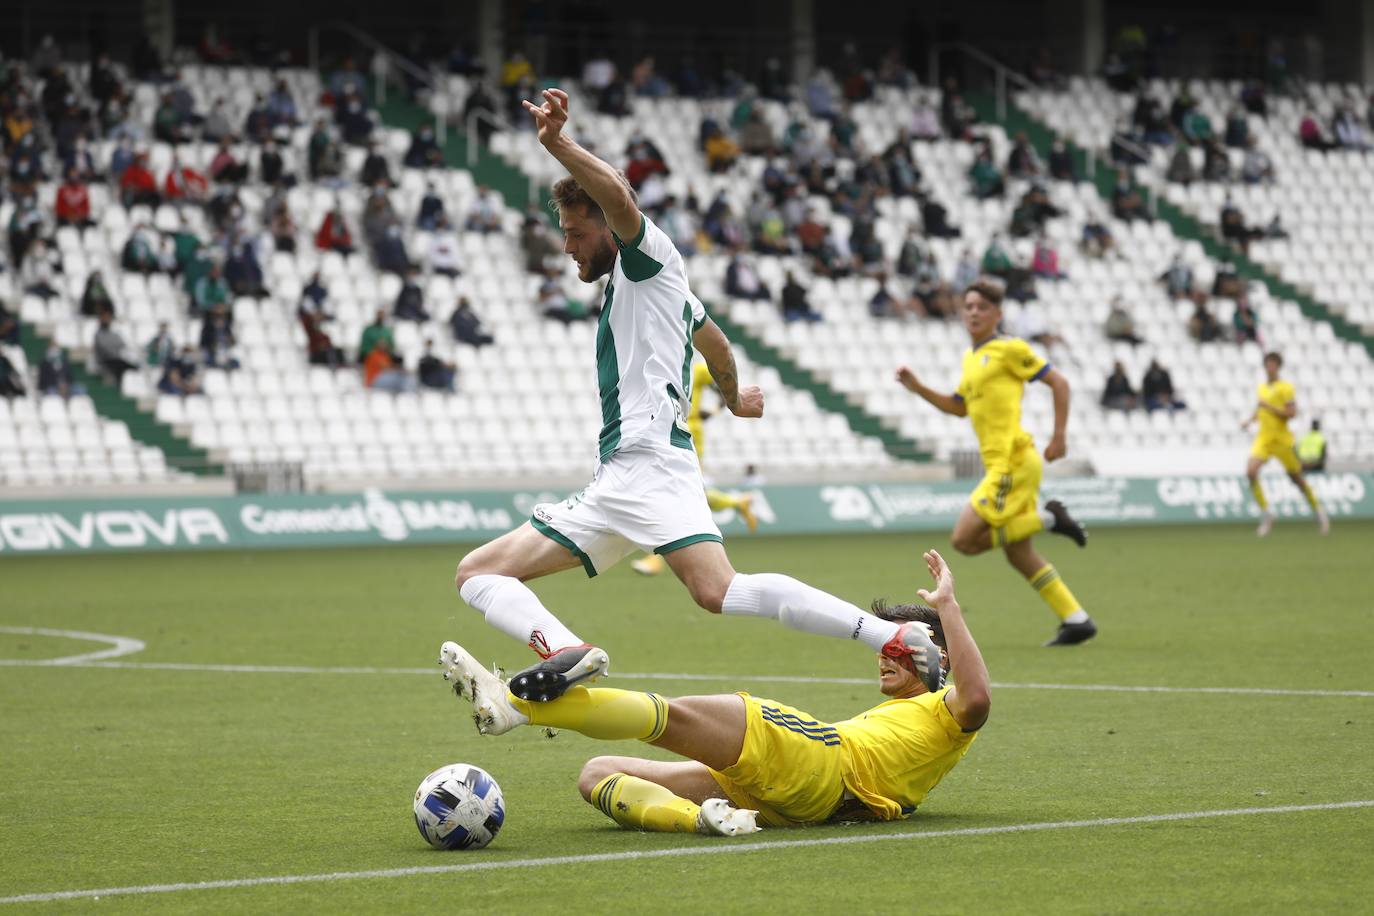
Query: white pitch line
point(713, 678)
point(716, 849)
point(119, 645)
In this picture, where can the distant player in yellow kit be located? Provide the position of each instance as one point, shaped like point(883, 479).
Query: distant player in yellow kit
point(756, 761)
point(1277, 405)
point(1002, 511)
point(652, 564)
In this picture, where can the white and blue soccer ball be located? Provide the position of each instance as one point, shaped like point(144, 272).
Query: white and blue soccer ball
point(459, 806)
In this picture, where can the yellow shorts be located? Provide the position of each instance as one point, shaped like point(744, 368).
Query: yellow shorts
point(791, 768)
point(1007, 491)
point(1265, 448)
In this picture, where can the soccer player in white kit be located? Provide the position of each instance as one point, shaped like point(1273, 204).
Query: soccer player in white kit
point(647, 490)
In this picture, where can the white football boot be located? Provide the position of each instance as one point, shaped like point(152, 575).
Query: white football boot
point(718, 817)
point(1323, 522)
point(491, 707)
point(1266, 524)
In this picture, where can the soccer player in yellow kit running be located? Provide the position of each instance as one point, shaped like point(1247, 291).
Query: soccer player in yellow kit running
point(756, 761)
point(1002, 511)
point(1277, 405)
point(651, 564)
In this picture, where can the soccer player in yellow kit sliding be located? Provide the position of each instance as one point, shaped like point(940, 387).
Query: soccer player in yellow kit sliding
point(1277, 405)
point(757, 761)
point(651, 564)
point(1002, 511)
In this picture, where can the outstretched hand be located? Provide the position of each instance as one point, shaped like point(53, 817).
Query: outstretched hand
point(944, 581)
point(907, 379)
point(551, 116)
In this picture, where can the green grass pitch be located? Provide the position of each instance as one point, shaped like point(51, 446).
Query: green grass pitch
point(135, 776)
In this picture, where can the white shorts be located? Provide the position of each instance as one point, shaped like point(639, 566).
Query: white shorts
point(644, 497)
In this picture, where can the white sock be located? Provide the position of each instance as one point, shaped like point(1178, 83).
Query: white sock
point(513, 609)
point(1077, 616)
point(801, 607)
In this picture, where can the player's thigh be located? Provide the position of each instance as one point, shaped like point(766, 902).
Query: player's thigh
point(970, 528)
point(709, 729)
point(522, 554)
point(684, 778)
point(705, 569)
point(1287, 456)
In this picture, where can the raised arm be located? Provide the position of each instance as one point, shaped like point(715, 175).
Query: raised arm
point(714, 347)
point(1058, 446)
point(949, 403)
point(970, 699)
point(597, 178)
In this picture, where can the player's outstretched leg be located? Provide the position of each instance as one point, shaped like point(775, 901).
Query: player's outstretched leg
point(551, 678)
point(1064, 523)
point(639, 804)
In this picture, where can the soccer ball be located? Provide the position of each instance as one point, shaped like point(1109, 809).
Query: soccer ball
point(459, 806)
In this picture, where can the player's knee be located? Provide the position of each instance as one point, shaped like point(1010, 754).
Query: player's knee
point(593, 771)
point(708, 593)
point(965, 544)
point(469, 566)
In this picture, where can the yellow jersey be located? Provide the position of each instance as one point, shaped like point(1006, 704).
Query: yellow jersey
point(897, 751)
point(1277, 394)
point(701, 379)
point(994, 378)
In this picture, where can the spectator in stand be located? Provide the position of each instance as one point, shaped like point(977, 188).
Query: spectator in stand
point(280, 224)
point(39, 273)
point(350, 113)
point(1310, 133)
point(755, 135)
point(121, 157)
point(742, 280)
point(1022, 161)
point(111, 353)
point(25, 228)
point(11, 379)
point(323, 157)
point(217, 338)
point(1033, 211)
point(243, 271)
point(375, 172)
point(216, 126)
point(1150, 123)
point(55, 374)
point(1045, 261)
point(225, 167)
point(184, 183)
point(1244, 321)
point(389, 253)
point(1127, 203)
point(1178, 278)
point(884, 304)
point(161, 349)
point(81, 163)
point(1127, 146)
point(1346, 128)
point(1237, 128)
point(443, 249)
point(955, 115)
point(140, 250)
point(410, 301)
point(556, 304)
point(794, 304)
point(1312, 448)
point(431, 209)
point(987, 181)
point(281, 106)
point(96, 297)
point(382, 372)
point(466, 325)
point(272, 167)
point(424, 152)
point(9, 327)
point(319, 346)
point(1227, 283)
point(1157, 388)
point(181, 373)
point(925, 123)
point(1216, 163)
point(935, 218)
point(137, 184)
point(721, 151)
point(1118, 394)
point(1233, 227)
point(539, 248)
point(73, 204)
point(169, 125)
point(1181, 170)
point(434, 372)
point(487, 208)
point(1120, 326)
point(376, 331)
point(210, 291)
point(333, 234)
point(1256, 167)
point(1203, 326)
point(1061, 167)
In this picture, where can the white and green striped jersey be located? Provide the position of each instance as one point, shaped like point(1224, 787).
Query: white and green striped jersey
point(644, 345)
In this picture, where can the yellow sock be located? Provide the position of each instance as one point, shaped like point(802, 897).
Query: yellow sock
point(642, 805)
point(719, 499)
point(1054, 592)
point(1257, 488)
point(1018, 529)
point(1311, 496)
point(601, 712)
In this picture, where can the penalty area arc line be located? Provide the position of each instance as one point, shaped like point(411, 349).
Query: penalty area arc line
point(716, 849)
point(118, 646)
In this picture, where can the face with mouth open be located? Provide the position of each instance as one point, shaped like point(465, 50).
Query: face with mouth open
point(898, 681)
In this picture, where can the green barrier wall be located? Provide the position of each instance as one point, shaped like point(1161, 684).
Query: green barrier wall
point(375, 517)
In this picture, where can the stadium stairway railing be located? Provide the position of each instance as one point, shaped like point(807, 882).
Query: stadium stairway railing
point(111, 404)
point(1183, 225)
point(515, 186)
